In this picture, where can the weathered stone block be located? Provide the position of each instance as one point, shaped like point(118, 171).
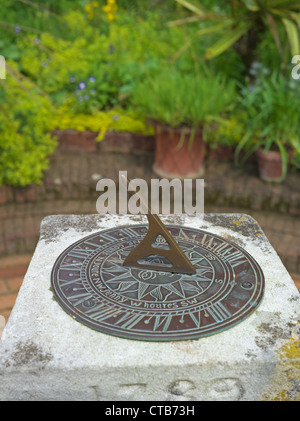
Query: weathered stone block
point(46, 355)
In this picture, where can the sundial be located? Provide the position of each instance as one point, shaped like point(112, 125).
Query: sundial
point(156, 282)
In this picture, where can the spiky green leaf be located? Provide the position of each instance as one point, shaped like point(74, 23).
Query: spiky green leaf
point(293, 35)
point(227, 41)
point(199, 10)
point(251, 5)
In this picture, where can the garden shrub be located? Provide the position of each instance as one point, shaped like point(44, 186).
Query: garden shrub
point(25, 142)
point(101, 121)
point(77, 64)
point(117, 56)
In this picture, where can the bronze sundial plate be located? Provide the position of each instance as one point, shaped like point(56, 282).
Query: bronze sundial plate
point(91, 284)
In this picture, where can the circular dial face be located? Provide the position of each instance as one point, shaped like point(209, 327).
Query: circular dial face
point(91, 284)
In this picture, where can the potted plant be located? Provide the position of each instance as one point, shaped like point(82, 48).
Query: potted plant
point(182, 108)
point(270, 115)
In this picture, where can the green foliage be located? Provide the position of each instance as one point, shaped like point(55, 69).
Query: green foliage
point(101, 121)
point(178, 99)
point(73, 65)
point(25, 144)
point(69, 71)
point(117, 59)
point(229, 131)
point(242, 24)
point(270, 116)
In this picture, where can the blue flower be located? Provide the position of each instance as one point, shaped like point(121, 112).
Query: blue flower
point(17, 29)
point(37, 40)
point(44, 64)
point(87, 97)
point(72, 79)
point(115, 117)
point(92, 79)
point(111, 49)
point(81, 86)
point(80, 98)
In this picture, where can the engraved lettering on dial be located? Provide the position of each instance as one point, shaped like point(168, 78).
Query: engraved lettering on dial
point(92, 285)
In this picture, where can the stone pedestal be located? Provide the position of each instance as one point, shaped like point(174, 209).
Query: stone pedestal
point(46, 355)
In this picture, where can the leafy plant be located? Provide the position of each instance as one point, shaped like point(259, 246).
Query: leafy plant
point(270, 118)
point(110, 9)
point(179, 99)
point(229, 131)
point(25, 144)
point(241, 24)
point(101, 121)
point(116, 59)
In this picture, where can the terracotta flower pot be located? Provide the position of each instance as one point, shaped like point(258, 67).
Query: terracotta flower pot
point(174, 157)
point(269, 165)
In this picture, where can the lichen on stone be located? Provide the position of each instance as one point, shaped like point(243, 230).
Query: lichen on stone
point(285, 384)
point(30, 353)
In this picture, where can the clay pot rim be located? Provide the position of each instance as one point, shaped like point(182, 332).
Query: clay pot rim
point(261, 153)
point(178, 129)
point(268, 155)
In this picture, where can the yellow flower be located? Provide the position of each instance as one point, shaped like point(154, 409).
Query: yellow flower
point(95, 4)
point(110, 9)
point(106, 9)
point(110, 17)
point(101, 133)
point(88, 8)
